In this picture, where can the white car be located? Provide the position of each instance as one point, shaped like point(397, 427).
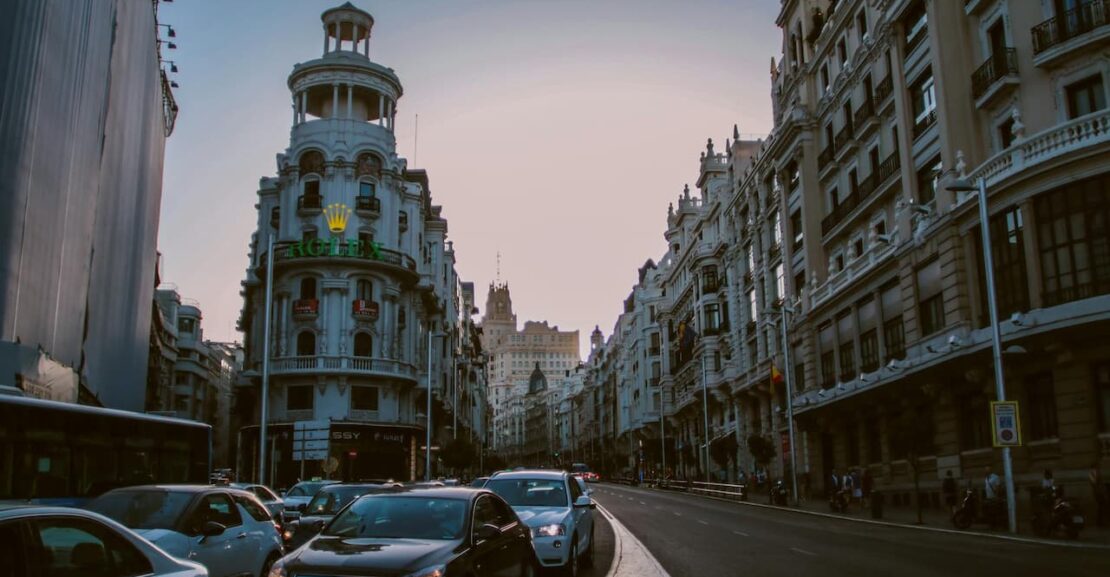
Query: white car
point(38, 540)
point(226, 530)
point(270, 500)
point(297, 498)
point(560, 515)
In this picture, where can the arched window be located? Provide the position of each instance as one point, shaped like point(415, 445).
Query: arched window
point(369, 165)
point(311, 162)
point(364, 345)
point(364, 290)
point(308, 288)
point(306, 344)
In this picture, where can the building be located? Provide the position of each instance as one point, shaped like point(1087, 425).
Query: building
point(515, 354)
point(87, 113)
point(203, 373)
point(841, 219)
point(366, 302)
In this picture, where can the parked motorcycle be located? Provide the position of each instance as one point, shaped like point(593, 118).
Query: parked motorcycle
point(993, 513)
point(838, 502)
point(1057, 515)
point(779, 494)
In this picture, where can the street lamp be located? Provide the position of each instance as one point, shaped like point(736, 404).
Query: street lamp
point(787, 375)
point(265, 394)
point(428, 418)
point(962, 185)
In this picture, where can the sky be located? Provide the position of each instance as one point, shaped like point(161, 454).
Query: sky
point(554, 132)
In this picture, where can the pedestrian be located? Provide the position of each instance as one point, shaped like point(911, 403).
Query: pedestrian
point(992, 485)
point(847, 487)
point(857, 488)
point(834, 486)
point(949, 490)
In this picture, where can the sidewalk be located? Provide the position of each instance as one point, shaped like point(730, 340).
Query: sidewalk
point(931, 519)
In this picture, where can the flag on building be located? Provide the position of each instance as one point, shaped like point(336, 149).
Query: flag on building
point(776, 376)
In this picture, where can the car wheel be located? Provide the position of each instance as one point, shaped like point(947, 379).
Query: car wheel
point(268, 564)
point(571, 568)
point(528, 566)
point(588, 558)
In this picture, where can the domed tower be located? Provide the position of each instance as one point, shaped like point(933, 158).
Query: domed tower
point(356, 242)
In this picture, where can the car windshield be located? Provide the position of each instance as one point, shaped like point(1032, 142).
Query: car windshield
point(305, 489)
point(143, 509)
point(530, 492)
point(396, 517)
point(329, 501)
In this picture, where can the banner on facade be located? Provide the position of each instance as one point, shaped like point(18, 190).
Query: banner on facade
point(1007, 424)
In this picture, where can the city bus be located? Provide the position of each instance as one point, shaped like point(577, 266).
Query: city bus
point(64, 454)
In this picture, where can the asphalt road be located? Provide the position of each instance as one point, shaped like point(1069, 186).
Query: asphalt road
point(692, 535)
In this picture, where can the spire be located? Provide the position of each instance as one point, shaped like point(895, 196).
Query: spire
point(735, 132)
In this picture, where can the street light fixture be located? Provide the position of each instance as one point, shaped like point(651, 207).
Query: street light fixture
point(787, 376)
point(428, 417)
point(963, 185)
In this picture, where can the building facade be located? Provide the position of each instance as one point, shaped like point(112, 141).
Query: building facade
point(87, 113)
point(366, 314)
point(841, 219)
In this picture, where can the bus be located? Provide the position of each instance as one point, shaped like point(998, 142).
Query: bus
point(65, 454)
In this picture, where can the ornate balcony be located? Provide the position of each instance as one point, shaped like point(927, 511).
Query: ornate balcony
point(308, 204)
point(994, 76)
point(347, 365)
point(884, 89)
point(924, 124)
point(1062, 34)
point(370, 206)
point(865, 115)
point(364, 310)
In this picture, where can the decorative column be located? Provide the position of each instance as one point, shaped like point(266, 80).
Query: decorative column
point(334, 99)
point(381, 110)
point(336, 37)
point(326, 39)
point(350, 92)
point(366, 46)
point(354, 38)
point(389, 114)
point(304, 105)
point(296, 113)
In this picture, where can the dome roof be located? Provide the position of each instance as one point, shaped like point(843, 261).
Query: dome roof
point(538, 381)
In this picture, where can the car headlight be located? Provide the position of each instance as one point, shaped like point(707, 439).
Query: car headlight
point(277, 570)
point(549, 530)
point(433, 571)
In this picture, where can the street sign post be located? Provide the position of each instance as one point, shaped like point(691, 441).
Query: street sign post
point(310, 441)
point(1007, 424)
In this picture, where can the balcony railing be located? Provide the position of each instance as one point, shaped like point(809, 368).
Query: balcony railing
point(922, 125)
point(994, 69)
point(825, 157)
point(368, 204)
point(364, 309)
point(867, 186)
point(1063, 27)
point(884, 89)
point(309, 202)
point(866, 112)
point(843, 137)
point(311, 364)
point(306, 308)
point(889, 167)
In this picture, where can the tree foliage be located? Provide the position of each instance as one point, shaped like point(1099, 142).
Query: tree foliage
point(761, 448)
point(459, 453)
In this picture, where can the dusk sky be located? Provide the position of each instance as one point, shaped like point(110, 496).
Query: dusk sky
point(555, 132)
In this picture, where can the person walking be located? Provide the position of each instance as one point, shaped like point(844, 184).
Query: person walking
point(857, 488)
point(992, 485)
point(848, 487)
point(834, 486)
point(948, 487)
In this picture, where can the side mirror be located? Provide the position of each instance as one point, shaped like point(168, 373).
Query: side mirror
point(583, 501)
point(487, 532)
point(211, 529)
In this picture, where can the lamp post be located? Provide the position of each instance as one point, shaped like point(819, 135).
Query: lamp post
point(705, 413)
point(428, 418)
point(264, 415)
point(962, 185)
point(789, 401)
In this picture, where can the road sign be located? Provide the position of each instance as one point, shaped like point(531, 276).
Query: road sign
point(311, 435)
point(311, 455)
point(310, 440)
point(1007, 425)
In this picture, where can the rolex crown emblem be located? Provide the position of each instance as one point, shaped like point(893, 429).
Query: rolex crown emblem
point(337, 215)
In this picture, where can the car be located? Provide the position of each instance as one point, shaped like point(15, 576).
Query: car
point(423, 532)
point(586, 490)
point(37, 540)
point(554, 507)
point(297, 498)
point(227, 530)
point(323, 508)
point(267, 496)
point(479, 482)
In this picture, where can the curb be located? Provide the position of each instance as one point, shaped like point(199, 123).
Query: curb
point(641, 562)
point(1029, 540)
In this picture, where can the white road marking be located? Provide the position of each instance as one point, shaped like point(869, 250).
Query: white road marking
point(702, 522)
point(643, 503)
point(677, 514)
point(741, 533)
point(658, 507)
point(803, 551)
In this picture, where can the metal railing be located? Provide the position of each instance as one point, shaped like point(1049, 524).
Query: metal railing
point(721, 490)
point(347, 364)
point(368, 203)
point(884, 89)
point(994, 69)
point(921, 126)
point(310, 202)
point(1061, 28)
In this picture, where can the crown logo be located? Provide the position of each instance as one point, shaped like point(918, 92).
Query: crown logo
point(337, 215)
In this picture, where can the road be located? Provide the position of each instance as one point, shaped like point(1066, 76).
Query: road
point(692, 535)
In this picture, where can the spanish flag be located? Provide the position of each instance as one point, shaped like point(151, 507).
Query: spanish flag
point(776, 376)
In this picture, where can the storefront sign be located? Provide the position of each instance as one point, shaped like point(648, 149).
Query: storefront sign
point(1007, 425)
point(352, 248)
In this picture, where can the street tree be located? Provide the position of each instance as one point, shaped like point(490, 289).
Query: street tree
point(761, 448)
point(459, 454)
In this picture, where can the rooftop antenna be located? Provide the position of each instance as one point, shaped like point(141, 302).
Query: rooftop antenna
point(498, 267)
point(415, 138)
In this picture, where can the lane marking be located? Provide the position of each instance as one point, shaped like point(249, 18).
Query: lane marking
point(741, 533)
point(677, 514)
point(643, 503)
point(631, 558)
point(803, 551)
point(659, 507)
point(702, 522)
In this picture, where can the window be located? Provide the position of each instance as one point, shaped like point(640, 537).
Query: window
point(894, 336)
point(857, 246)
point(869, 351)
point(927, 181)
point(1008, 253)
point(1006, 134)
point(846, 332)
point(1041, 394)
point(215, 507)
point(825, 79)
point(750, 259)
point(924, 97)
point(853, 183)
point(796, 229)
point(930, 298)
point(753, 312)
point(253, 507)
point(776, 228)
point(364, 290)
point(1073, 230)
point(711, 318)
point(1102, 391)
point(72, 546)
point(873, 159)
point(186, 325)
point(308, 288)
point(826, 336)
point(780, 284)
point(299, 398)
point(306, 344)
point(364, 346)
point(834, 200)
point(709, 279)
point(312, 189)
point(915, 24)
point(828, 370)
point(1086, 96)
point(366, 189)
point(364, 398)
point(842, 51)
point(974, 422)
point(861, 24)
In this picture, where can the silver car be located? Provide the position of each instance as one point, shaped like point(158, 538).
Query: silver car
point(269, 498)
point(225, 529)
point(62, 541)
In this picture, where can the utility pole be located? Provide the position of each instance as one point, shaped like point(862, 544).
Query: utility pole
point(264, 402)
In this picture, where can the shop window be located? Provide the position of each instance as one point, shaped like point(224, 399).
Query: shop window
point(1008, 253)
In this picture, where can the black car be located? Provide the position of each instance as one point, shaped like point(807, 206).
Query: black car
point(429, 532)
point(325, 504)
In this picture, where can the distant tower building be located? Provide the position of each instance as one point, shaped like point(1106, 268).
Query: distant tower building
point(498, 320)
point(362, 273)
point(597, 340)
